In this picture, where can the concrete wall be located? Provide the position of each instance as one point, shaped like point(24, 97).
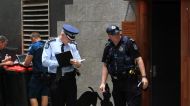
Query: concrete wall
point(10, 22)
point(92, 17)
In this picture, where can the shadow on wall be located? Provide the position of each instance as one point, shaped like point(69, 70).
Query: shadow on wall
point(57, 13)
point(89, 98)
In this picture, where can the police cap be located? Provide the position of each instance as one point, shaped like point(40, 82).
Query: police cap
point(70, 31)
point(112, 30)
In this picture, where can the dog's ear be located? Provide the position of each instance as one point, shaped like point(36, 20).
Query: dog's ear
point(107, 88)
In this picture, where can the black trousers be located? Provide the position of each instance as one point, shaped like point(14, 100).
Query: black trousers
point(126, 93)
point(65, 92)
point(2, 96)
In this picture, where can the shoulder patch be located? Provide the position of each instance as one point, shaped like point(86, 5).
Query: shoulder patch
point(75, 43)
point(135, 46)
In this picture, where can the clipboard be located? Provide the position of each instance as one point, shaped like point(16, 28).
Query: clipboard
point(64, 58)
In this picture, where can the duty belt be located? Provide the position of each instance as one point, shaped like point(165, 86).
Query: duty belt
point(124, 75)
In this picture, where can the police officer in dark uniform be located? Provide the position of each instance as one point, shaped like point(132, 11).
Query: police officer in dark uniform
point(121, 59)
point(38, 88)
point(6, 55)
point(5, 59)
point(65, 91)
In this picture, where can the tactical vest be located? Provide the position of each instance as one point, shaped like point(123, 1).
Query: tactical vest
point(119, 60)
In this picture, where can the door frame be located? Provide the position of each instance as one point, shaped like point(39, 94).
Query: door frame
point(185, 52)
point(143, 41)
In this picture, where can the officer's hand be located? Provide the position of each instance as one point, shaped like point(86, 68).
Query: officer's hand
point(7, 58)
point(102, 87)
point(76, 63)
point(9, 63)
point(144, 82)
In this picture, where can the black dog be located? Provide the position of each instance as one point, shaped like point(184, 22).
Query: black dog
point(106, 97)
point(88, 98)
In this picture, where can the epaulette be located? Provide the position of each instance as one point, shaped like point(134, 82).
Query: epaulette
point(127, 38)
point(51, 38)
point(74, 42)
point(131, 39)
point(48, 42)
point(108, 42)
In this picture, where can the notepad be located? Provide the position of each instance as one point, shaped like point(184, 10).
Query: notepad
point(64, 58)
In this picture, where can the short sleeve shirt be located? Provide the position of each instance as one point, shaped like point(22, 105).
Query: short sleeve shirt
point(54, 47)
point(36, 51)
point(131, 45)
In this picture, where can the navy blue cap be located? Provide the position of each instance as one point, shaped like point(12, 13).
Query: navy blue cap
point(112, 30)
point(70, 31)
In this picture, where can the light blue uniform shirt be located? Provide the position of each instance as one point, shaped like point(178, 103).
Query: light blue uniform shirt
point(54, 47)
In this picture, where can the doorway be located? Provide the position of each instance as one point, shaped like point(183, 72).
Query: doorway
point(165, 37)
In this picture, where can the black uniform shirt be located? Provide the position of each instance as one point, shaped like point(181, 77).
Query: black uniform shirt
point(5, 51)
point(131, 45)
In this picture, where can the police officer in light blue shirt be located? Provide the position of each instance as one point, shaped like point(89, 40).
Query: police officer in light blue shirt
point(66, 90)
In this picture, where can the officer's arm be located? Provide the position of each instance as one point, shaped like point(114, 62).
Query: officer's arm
point(1, 64)
point(28, 60)
point(46, 57)
point(140, 63)
point(142, 70)
point(76, 55)
point(104, 78)
point(6, 63)
point(104, 73)
point(134, 51)
point(29, 56)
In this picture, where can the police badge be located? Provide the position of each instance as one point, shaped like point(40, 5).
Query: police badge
point(121, 49)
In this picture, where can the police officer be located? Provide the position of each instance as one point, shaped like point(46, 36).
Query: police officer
point(120, 59)
point(5, 59)
point(38, 89)
point(66, 90)
point(5, 54)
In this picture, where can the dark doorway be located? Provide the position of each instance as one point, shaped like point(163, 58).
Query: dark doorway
point(165, 32)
